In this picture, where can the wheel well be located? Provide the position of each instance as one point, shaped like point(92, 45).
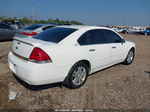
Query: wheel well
point(133, 49)
point(87, 63)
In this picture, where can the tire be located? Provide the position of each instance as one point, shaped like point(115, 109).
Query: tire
point(76, 76)
point(145, 33)
point(126, 32)
point(130, 57)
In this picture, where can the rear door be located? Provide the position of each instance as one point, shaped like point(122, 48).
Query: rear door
point(97, 47)
point(116, 46)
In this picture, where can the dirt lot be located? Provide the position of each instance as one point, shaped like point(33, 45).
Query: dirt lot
point(118, 87)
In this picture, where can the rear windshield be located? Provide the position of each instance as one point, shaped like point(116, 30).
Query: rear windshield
point(55, 34)
point(20, 24)
point(32, 27)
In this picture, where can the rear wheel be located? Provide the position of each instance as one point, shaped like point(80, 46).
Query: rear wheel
point(77, 76)
point(130, 57)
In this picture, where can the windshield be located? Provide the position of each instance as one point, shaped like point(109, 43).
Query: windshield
point(55, 34)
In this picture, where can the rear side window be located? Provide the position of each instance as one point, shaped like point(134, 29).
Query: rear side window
point(55, 34)
point(32, 27)
point(92, 37)
point(112, 37)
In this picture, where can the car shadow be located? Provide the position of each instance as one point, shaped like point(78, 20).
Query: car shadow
point(37, 88)
point(148, 72)
point(8, 40)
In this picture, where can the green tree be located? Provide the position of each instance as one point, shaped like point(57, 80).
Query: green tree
point(28, 20)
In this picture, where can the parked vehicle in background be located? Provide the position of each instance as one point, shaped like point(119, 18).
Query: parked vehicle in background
point(68, 54)
point(6, 31)
point(118, 30)
point(125, 30)
point(146, 31)
point(33, 30)
point(132, 30)
point(60, 24)
point(14, 23)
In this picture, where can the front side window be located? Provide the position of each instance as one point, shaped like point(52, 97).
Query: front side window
point(112, 37)
point(92, 37)
point(55, 34)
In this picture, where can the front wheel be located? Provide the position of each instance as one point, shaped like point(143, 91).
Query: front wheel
point(77, 76)
point(126, 32)
point(130, 57)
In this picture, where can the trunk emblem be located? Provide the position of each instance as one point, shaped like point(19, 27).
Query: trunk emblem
point(16, 47)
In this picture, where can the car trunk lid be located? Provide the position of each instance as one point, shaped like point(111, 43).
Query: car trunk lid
point(23, 47)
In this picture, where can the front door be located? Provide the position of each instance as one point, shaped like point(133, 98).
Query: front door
point(116, 46)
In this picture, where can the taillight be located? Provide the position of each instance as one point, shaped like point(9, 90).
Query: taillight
point(38, 55)
point(29, 34)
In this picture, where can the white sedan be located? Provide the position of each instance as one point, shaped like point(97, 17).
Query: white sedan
point(68, 54)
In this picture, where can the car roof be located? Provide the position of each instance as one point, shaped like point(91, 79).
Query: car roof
point(83, 26)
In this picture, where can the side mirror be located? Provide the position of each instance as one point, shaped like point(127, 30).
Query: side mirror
point(123, 41)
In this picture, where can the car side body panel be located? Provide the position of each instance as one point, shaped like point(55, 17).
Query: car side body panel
point(63, 56)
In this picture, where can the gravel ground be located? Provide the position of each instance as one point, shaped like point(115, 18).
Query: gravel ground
point(117, 87)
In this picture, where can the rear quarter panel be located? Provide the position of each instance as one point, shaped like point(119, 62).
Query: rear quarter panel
point(67, 55)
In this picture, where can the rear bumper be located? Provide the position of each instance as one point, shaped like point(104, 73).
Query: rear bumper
point(36, 74)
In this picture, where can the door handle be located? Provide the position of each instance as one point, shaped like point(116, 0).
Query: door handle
point(92, 50)
point(113, 47)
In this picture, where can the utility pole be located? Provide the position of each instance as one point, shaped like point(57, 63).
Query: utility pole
point(33, 13)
